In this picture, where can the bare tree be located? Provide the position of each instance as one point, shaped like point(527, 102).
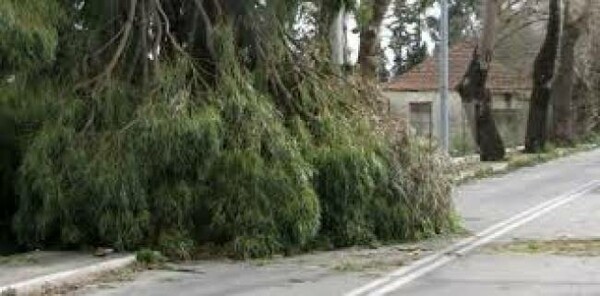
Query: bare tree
point(543, 74)
point(590, 107)
point(476, 97)
point(574, 17)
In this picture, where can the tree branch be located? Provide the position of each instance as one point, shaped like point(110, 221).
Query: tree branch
point(121, 47)
point(168, 27)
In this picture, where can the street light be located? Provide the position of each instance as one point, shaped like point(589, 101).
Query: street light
point(443, 58)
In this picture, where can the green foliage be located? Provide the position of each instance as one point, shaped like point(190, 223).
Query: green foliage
point(261, 209)
point(407, 40)
point(177, 245)
point(149, 257)
point(167, 174)
point(461, 15)
point(349, 168)
point(427, 188)
point(8, 164)
point(346, 186)
point(79, 194)
point(18, 114)
point(370, 194)
point(95, 189)
point(28, 30)
point(364, 13)
point(336, 5)
point(261, 197)
point(266, 160)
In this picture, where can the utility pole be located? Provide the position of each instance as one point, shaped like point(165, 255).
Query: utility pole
point(443, 58)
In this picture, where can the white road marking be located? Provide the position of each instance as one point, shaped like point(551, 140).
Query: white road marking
point(407, 274)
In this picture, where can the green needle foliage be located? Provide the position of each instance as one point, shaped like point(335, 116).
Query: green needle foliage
point(28, 30)
point(252, 146)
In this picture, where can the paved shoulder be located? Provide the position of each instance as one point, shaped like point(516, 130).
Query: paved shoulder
point(489, 201)
point(533, 227)
point(496, 201)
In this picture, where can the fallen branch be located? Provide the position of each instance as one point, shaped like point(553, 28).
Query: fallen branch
point(121, 47)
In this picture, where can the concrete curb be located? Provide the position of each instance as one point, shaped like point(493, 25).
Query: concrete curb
point(503, 167)
point(36, 285)
point(473, 158)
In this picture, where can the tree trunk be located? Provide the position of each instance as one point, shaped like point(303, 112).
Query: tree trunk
point(543, 73)
point(336, 36)
point(581, 106)
point(476, 98)
point(593, 81)
point(562, 131)
point(368, 55)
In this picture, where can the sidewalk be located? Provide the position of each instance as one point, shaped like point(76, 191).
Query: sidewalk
point(470, 167)
point(31, 273)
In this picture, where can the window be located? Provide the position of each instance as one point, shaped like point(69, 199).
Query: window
point(420, 118)
point(508, 101)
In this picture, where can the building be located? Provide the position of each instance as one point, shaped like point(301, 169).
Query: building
point(415, 96)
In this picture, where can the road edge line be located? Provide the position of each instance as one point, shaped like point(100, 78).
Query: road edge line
point(466, 245)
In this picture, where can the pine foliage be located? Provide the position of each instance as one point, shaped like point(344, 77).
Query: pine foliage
point(266, 154)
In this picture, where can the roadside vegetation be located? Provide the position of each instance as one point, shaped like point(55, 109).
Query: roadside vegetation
point(130, 125)
point(244, 127)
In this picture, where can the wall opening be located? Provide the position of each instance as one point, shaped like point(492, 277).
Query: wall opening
point(420, 118)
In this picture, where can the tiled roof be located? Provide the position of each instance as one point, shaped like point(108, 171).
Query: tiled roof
point(424, 77)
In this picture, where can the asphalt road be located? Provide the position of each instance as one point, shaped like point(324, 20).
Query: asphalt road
point(555, 201)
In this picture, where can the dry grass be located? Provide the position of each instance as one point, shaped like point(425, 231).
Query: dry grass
point(105, 280)
point(19, 259)
point(561, 247)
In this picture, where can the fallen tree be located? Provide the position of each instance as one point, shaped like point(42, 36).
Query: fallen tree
point(216, 127)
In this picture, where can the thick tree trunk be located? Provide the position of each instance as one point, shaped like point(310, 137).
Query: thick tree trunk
point(593, 98)
point(476, 98)
point(581, 106)
point(562, 131)
point(543, 74)
point(368, 56)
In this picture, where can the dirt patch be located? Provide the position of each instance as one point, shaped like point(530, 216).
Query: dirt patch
point(561, 247)
point(373, 261)
point(19, 259)
point(369, 264)
point(106, 280)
